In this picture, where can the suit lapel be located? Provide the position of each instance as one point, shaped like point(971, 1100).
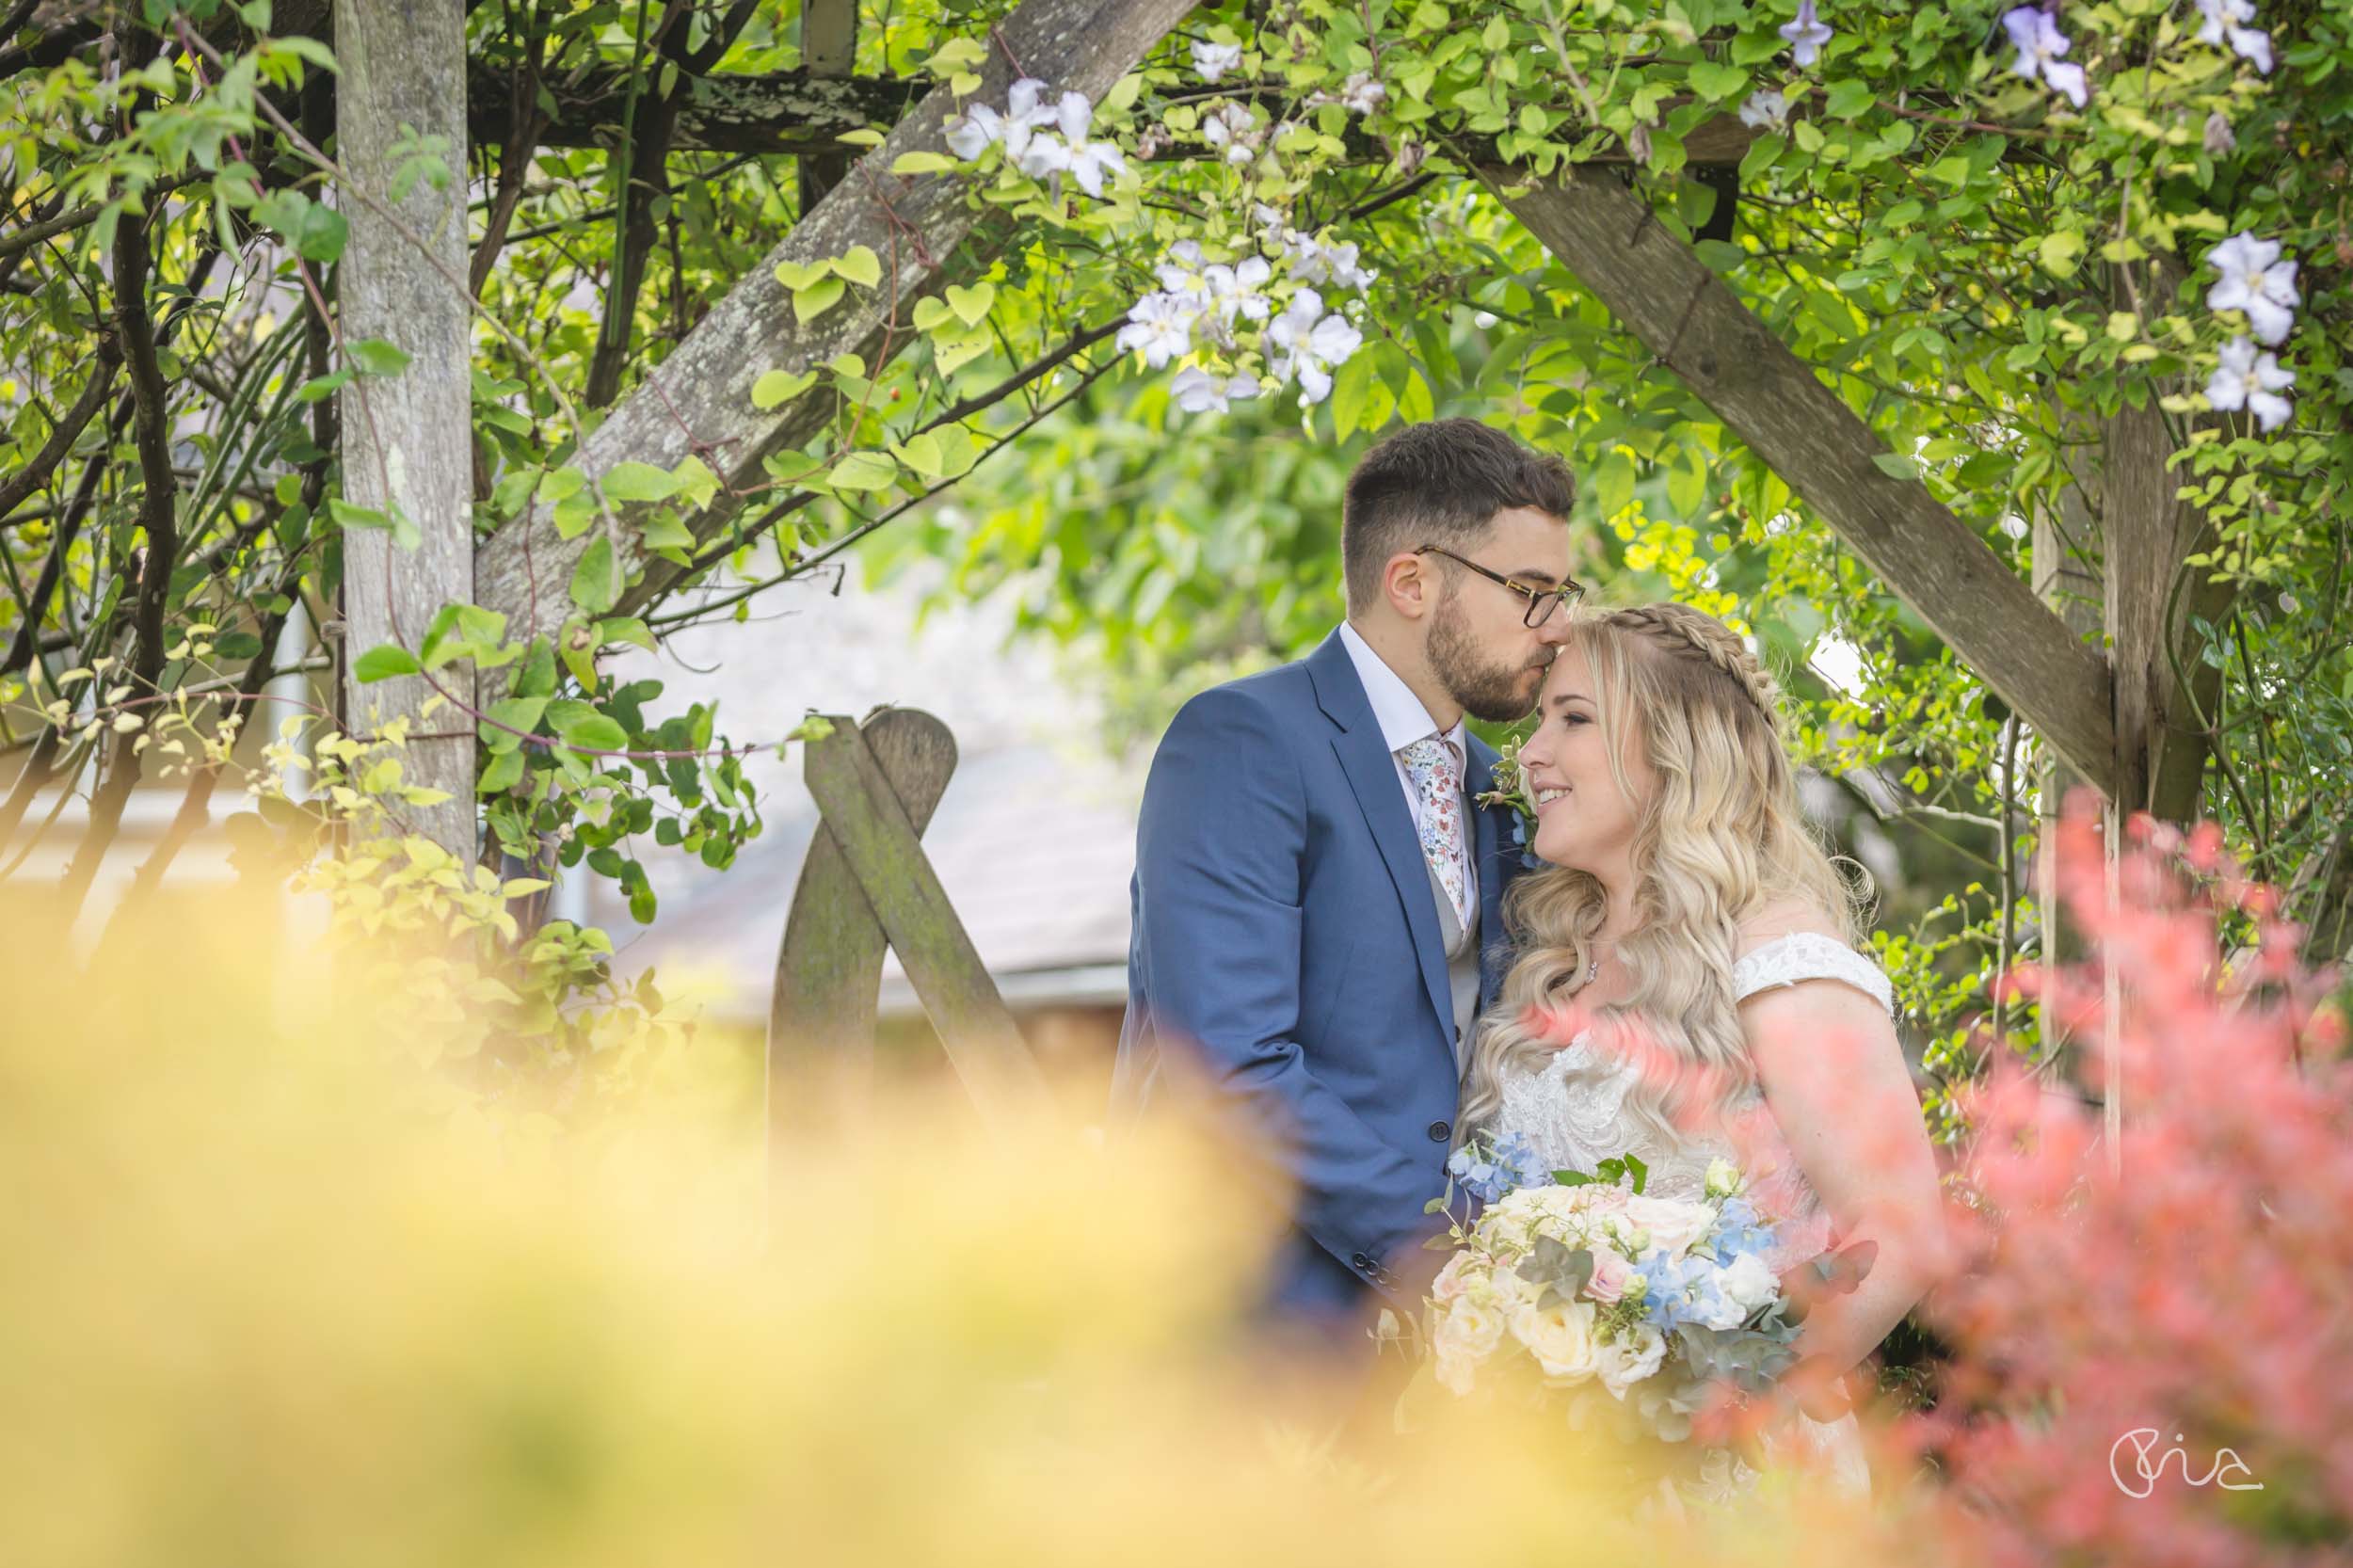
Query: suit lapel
point(1493, 845)
point(1371, 771)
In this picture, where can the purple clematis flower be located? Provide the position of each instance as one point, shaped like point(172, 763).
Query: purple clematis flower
point(1806, 35)
point(2039, 45)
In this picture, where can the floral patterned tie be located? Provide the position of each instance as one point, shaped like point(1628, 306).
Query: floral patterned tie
point(1436, 770)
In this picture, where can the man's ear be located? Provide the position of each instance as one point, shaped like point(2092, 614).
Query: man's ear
point(1410, 584)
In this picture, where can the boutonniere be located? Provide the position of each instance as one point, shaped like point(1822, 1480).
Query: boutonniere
point(1510, 788)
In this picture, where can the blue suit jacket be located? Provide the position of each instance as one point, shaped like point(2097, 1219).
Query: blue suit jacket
point(1285, 937)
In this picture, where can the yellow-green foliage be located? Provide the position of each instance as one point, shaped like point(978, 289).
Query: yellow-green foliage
point(436, 944)
point(263, 1309)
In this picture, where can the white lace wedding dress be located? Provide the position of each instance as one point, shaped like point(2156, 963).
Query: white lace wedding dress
point(1572, 1112)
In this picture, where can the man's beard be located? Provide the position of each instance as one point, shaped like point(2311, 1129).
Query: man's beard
point(1499, 694)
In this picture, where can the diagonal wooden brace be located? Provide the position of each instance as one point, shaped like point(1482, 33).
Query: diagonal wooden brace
point(821, 1013)
point(870, 829)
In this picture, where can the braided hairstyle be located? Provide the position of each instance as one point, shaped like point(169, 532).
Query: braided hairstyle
point(1694, 637)
point(1719, 838)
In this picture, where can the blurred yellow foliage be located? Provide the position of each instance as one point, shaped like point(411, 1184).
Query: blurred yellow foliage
point(267, 1305)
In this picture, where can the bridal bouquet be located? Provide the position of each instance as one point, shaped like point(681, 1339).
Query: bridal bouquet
point(1574, 1282)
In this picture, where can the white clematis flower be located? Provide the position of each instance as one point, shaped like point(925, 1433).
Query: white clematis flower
point(1234, 128)
point(1233, 291)
point(1091, 163)
point(1212, 60)
point(1314, 262)
point(1160, 327)
point(2253, 381)
point(1025, 101)
point(1765, 109)
point(2226, 20)
point(1309, 344)
point(2255, 280)
point(1196, 391)
point(1361, 93)
point(974, 130)
point(1042, 155)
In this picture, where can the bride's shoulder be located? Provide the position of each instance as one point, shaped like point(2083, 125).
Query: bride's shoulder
point(1782, 920)
point(1786, 943)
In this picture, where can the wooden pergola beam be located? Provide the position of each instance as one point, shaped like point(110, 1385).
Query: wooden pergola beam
point(1659, 290)
point(806, 111)
point(785, 111)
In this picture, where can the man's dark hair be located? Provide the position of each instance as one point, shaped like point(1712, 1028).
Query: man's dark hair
point(1440, 483)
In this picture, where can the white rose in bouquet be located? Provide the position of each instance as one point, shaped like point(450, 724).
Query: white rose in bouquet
point(1673, 1225)
point(1633, 1355)
point(1749, 1282)
point(1560, 1338)
point(1466, 1335)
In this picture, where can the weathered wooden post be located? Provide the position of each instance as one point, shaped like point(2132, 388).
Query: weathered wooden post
point(867, 885)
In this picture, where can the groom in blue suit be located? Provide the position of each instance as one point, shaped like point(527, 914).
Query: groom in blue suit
point(1318, 900)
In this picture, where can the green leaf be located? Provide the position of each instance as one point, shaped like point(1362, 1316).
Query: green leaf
point(2059, 250)
point(859, 266)
point(349, 516)
point(582, 726)
point(317, 233)
point(1894, 465)
point(1351, 391)
point(379, 356)
point(626, 629)
point(921, 452)
point(816, 300)
point(1760, 156)
point(537, 676)
point(573, 514)
point(634, 481)
point(502, 772)
point(382, 662)
point(971, 305)
point(1849, 97)
point(595, 583)
point(663, 531)
point(1717, 82)
point(522, 713)
point(325, 386)
point(864, 470)
point(921, 162)
point(1614, 483)
point(1687, 484)
point(777, 387)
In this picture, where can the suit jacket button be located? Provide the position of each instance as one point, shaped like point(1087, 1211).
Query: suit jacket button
point(1360, 1262)
point(1440, 1132)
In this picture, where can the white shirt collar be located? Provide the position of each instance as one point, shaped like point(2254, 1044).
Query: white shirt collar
point(1400, 714)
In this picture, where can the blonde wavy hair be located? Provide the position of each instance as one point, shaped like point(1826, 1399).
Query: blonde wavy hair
point(1720, 837)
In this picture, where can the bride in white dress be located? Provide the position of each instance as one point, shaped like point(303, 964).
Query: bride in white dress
point(1684, 989)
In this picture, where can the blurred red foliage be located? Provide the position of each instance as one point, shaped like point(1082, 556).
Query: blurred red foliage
point(2120, 1322)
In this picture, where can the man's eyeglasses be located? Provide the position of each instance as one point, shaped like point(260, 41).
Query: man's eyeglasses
point(1542, 602)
